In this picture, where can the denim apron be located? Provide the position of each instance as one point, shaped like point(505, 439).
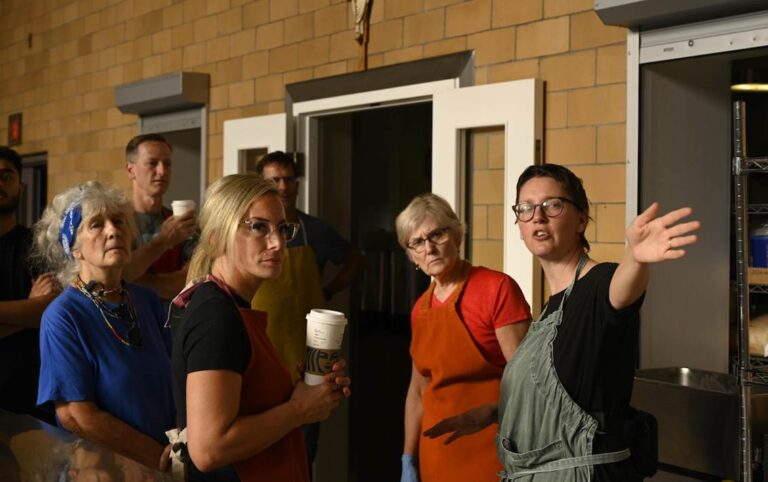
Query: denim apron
point(543, 434)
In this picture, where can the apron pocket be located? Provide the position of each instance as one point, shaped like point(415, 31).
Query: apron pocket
point(534, 458)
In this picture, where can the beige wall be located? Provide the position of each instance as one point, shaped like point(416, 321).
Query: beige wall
point(64, 83)
point(486, 161)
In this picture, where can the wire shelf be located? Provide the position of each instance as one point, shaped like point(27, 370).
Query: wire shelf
point(757, 209)
point(758, 289)
point(758, 371)
point(759, 379)
point(759, 363)
point(760, 376)
point(753, 164)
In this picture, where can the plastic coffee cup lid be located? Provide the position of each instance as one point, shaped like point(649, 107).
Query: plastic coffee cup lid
point(327, 316)
point(183, 202)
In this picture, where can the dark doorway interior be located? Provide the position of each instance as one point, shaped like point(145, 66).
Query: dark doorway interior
point(34, 197)
point(186, 178)
point(372, 163)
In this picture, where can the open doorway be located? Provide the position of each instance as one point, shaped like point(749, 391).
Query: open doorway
point(34, 177)
point(185, 181)
point(371, 164)
point(330, 132)
point(685, 112)
point(185, 131)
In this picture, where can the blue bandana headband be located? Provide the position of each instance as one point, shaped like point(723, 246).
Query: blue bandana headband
point(73, 216)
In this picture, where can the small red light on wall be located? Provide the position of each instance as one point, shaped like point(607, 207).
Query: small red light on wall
point(14, 129)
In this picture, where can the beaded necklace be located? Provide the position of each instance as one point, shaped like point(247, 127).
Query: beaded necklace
point(126, 306)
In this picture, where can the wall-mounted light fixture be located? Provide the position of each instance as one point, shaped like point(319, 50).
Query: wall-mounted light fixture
point(750, 75)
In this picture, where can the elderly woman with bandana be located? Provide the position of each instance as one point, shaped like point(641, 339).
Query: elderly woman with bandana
point(105, 356)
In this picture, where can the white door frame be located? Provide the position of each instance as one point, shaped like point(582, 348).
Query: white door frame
point(516, 106)
point(306, 114)
point(262, 132)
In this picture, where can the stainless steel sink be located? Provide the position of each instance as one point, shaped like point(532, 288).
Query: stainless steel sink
point(698, 415)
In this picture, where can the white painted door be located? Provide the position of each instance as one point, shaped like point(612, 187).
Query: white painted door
point(252, 135)
point(517, 107)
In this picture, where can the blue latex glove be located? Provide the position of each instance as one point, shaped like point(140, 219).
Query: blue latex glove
point(410, 471)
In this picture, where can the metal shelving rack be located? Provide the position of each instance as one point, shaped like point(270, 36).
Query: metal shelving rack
point(751, 370)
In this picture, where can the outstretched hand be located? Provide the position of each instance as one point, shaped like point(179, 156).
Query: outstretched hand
point(652, 239)
point(467, 423)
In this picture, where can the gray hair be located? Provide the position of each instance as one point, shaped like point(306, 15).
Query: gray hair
point(94, 198)
point(427, 206)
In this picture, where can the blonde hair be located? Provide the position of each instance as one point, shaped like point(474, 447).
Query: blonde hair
point(226, 202)
point(427, 206)
point(94, 198)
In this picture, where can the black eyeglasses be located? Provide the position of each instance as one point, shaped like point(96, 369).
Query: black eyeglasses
point(552, 207)
point(285, 179)
point(262, 229)
point(437, 236)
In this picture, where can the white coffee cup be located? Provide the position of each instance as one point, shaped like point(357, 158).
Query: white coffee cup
point(182, 207)
point(325, 332)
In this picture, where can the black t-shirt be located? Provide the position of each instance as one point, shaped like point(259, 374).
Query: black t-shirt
point(211, 336)
point(15, 281)
point(595, 354)
point(19, 352)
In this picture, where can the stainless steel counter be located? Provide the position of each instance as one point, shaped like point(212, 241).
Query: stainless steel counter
point(698, 416)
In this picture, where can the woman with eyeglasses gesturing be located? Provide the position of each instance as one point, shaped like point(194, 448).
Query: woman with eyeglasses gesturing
point(236, 400)
point(465, 327)
point(105, 356)
point(564, 410)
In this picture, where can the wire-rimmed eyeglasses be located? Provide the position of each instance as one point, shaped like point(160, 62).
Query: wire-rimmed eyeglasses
point(261, 228)
point(552, 207)
point(437, 236)
point(285, 179)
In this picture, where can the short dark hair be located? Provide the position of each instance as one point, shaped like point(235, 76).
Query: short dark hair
point(280, 158)
point(132, 148)
point(572, 184)
point(11, 156)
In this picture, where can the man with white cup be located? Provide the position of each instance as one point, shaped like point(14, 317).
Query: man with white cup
point(165, 236)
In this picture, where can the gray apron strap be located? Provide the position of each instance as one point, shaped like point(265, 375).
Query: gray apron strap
point(570, 463)
point(582, 262)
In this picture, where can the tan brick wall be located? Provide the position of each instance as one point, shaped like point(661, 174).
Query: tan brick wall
point(486, 167)
point(81, 49)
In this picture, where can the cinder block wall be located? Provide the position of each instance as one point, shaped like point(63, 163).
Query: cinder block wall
point(64, 80)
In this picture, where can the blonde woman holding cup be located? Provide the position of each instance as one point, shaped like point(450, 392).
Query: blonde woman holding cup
point(236, 400)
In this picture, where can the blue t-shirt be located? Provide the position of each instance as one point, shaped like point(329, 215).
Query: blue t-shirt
point(81, 360)
point(327, 244)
